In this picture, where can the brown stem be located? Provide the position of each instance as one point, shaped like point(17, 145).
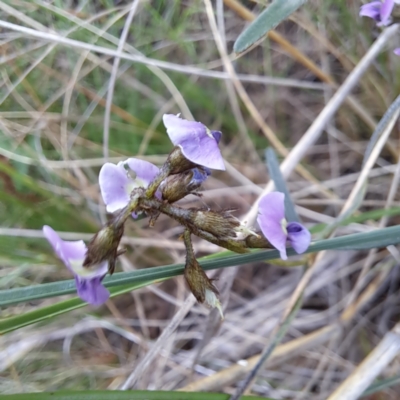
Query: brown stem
point(185, 218)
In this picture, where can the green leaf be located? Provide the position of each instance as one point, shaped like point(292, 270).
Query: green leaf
point(126, 395)
point(267, 20)
point(280, 184)
point(372, 215)
point(41, 314)
point(357, 241)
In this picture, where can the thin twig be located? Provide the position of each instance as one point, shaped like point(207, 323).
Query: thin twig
point(370, 367)
point(113, 77)
point(276, 338)
point(185, 69)
point(158, 345)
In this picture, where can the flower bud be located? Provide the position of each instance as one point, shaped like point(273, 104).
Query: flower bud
point(221, 224)
point(104, 245)
point(177, 162)
point(258, 241)
point(199, 283)
point(177, 186)
point(201, 286)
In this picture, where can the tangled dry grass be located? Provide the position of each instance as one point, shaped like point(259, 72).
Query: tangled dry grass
point(67, 104)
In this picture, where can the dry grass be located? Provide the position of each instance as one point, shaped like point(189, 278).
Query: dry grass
point(67, 105)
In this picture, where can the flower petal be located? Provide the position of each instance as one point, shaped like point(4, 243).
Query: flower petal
point(179, 129)
point(272, 205)
point(197, 143)
point(271, 213)
point(145, 171)
point(386, 11)
point(217, 135)
point(113, 180)
point(299, 237)
point(397, 51)
point(92, 290)
point(371, 10)
point(66, 251)
point(203, 150)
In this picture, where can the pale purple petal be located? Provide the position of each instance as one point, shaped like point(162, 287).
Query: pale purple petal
point(397, 51)
point(92, 290)
point(272, 205)
point(197, 143)
point(113, 180)
point(271, 214)
point(52, 236)
point(179, 129)
point(371, 10)
point(89, 286)
point(386, 11)
point(145, 171)
point(203, 151)
point(298, 236)
point(66, 251)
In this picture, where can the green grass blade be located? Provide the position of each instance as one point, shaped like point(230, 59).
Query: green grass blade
point(41, 314)
point(382, 385)
point(267, 20)
point(126, 395)
point(280, 184)
point(357, 241)
point(372, 215)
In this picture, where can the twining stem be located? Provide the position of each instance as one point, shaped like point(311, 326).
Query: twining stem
point(120, 219)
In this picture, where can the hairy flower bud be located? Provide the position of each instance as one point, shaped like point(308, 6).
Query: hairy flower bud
point(199, 283)
point(222, 224)
point(104, 245)
point(177, 186)
point(177, 162)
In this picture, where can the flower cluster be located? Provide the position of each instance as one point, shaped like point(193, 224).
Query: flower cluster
point(135, 186)
point(381, 12)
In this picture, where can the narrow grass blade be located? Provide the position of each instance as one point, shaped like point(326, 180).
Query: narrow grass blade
point(382, 385)
point(267, 20)
point(280, 184)
point(372, 215)
point(358, 241)
point(125, 395)
point(41, 314)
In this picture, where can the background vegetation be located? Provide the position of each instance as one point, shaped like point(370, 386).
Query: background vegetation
point(57, 127)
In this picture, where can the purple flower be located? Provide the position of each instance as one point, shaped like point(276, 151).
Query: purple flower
point(118, 181)
point(275, 228)
point(397, 51)
point(379, 11)
point(88, 281)
point(199, 176)
point(198, 144)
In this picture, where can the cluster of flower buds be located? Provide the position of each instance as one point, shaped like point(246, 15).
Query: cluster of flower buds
point(383, 12)
point(135, 186)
